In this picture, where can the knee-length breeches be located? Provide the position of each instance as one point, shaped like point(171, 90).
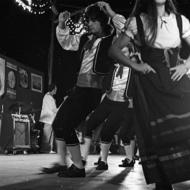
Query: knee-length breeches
point(109, 112)
point(127, 129)
point(73, 111)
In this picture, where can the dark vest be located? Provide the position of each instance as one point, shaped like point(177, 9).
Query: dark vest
point(102, 62)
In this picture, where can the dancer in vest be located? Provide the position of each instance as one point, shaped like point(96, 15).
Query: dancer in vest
point(114, 115)
point(95, 64)
point(162, 90)
point(112, 110)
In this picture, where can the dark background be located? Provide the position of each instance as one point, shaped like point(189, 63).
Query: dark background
point(26, 37)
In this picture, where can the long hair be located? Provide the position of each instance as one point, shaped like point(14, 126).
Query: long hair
point(149, 8)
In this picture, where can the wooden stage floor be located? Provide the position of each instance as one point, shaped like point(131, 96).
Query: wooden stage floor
point(22, 172)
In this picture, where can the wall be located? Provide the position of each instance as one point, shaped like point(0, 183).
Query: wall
point(22, 85)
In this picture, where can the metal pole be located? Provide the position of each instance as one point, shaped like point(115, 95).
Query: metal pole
point(51, 54)
point(51, 47)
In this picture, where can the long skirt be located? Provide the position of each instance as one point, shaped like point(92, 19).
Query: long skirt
point(163, 112)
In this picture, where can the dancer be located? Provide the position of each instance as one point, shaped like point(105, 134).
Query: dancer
point(127, 135)
point(162, 89)
point(95, 63)
point(112, 111)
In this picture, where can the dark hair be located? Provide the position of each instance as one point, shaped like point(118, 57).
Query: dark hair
point(94, 12)
point(51, 87)
point(149, 7)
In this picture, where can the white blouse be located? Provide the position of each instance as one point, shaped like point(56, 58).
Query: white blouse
point(168, 33)
point(49, 109)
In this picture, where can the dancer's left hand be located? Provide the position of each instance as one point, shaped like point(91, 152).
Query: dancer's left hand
point(104, 6)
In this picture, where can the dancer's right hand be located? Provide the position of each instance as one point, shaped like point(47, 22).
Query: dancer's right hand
point(143, 68)
point(63, 17)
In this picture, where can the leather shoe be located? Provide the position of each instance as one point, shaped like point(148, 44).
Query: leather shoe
point(102, 166)
point(127, 163)
point(163, 186)
point(73, 171)
point(53, 169)
point(96, 163)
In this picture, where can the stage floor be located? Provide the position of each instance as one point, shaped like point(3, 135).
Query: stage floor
point(22, 172)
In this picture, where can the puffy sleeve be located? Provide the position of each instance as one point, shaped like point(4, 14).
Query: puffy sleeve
point(131, 27)
point(119, 22)
point(67, 41)
point(186, 27)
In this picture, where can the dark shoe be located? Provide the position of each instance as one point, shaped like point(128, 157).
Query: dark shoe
point(73, 171)
point(102, 166)
point(134, 158)
point(127, 163)
point(62, 171)
point(162, 186)
point(96, 163)
point(54, 169)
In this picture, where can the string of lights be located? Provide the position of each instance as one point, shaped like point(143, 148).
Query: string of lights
point(40, 7)
point(35, 6)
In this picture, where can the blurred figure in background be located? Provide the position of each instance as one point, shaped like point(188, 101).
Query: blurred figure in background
point(48, 112)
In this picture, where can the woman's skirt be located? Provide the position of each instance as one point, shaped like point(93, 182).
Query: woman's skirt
point(163, 112)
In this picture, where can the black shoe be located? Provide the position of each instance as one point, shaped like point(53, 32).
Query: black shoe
point(73, 171)
point(62, 171)
point(134, 158)
point(127, 163)
point(96, 163)
point(162, 186)
point(54, 169)
point(102, 166)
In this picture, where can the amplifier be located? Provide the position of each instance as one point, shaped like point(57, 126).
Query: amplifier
point(21, 128)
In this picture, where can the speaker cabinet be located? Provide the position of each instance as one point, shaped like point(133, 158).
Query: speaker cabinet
point(21, 128)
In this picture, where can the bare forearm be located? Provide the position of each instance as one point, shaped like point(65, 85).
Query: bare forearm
point(120, 58)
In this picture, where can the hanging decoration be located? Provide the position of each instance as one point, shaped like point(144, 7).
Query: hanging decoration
point(39, 7)
point(35, 6)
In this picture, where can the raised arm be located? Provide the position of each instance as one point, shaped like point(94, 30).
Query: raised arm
point(117, 19)
point(65, 39)
point(106, 8)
